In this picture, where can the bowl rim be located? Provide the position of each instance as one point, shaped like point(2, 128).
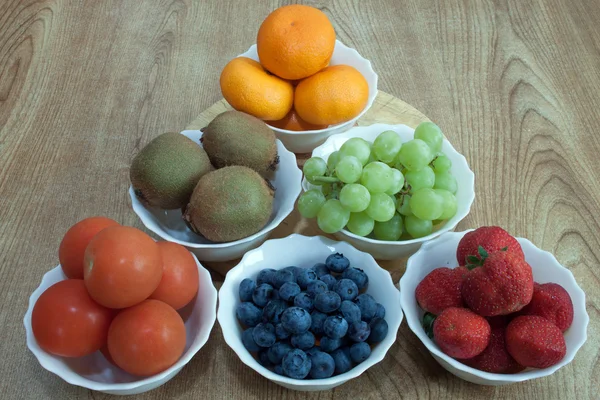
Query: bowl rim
point(357, 370)
point(78, 380)
point(578, 304)
point(286, 208)
point(469, 184)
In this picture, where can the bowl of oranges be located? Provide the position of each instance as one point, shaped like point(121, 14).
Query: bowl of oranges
point(299, 79)
point(122, 314)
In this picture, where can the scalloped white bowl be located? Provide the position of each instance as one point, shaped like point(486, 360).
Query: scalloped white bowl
point(441, 252)
point(304, 252)
point(169, 225)
point(94, 372)
point(389, 250)
point(305, 141)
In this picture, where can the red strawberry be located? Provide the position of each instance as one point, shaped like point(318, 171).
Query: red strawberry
point(461, 333)
point(502, 285)
point(495, 358)
point(533, 341)
point(552, 302)
point(491, 238)
point(440, 289)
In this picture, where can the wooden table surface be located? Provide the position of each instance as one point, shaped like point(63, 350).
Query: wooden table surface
point(85, 84)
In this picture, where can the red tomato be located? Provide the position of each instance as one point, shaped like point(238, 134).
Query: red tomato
point(72, 247)
point(67, 322)
point(147, 338)
point(122, 267)
point(179, 282)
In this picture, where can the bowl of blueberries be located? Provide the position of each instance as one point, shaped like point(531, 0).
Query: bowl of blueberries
point(309, 313)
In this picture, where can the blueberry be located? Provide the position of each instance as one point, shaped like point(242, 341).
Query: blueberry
point(359, 331)
point(280, 332)
point(379, 330)
point(320, 269)
point(337, 262)
point(313, 350)
point(327, 302)
point(289, 290)
point(335, 326)
point(322, 365)
point(278, 370)
point(262, 294)
point(248, 340)
point(273, 310)
point(316, 287)
point(277, 351)
point(359, 352)
point(380, 311)
point(265, 276)
point(346, 289)
point(303, 341)
point(357, 276)
point(248, 314)
point(329, 280)
point(264, 335)
point(305, 277)
point(294, 270)
point(296, 320)
point(367, 305)
point(329, 344)
point(296, 364)
point(304, 300)
point(350, 311)
point(246, 289)
point(317, 321)
point(342, 360)
point(263, 359)
point(282, 276)
point(275, 295)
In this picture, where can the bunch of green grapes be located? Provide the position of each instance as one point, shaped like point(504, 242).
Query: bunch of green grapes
point(386, 189)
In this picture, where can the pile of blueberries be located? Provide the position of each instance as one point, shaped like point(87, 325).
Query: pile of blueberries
point(310, 322)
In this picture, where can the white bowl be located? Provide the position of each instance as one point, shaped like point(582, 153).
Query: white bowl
point(169, 225)
point(96, 373)
point(305, 141)
point(390, 250)
point(441, 252)
point(304, 252)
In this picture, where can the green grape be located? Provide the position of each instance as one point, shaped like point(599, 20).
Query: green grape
point(417, 227)
point(423, 178)
point(426, 204)
point(314, 167)
point(389, 230)
point(348, 169)
point(372, 158)
point(332, 217)
point(403, 205)
point(431, 134)
point(327, 189)
point(446, 181)
point(360, 224)
point(450, 204)
point(381, 208)
point(442, 163)
point(357, 147)
point(333, 159)
point(377, 177)
point(310, 202)
point(386, 146)
point(355, 197)
point(397, 182)
point(414, 155)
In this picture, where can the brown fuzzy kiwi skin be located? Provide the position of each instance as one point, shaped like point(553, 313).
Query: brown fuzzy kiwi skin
point(237, 138)
point(165, 172)
point(229, 204)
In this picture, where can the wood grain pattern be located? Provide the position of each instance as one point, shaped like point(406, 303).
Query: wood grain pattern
point(85, 84)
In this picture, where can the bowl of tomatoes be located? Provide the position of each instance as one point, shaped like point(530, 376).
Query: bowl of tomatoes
point(122, 313)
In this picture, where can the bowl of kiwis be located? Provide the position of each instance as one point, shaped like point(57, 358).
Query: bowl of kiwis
point(219, 191)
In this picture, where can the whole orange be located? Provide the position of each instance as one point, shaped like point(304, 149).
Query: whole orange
point(293, 122)
point(249, 88)
point(295, 41)
point(332, 96)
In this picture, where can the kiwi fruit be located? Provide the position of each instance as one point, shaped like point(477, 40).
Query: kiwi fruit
point(230, 203)
point(236, 138)
point(165, 172)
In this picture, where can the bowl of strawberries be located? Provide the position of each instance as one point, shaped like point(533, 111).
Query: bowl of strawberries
point(493, 309)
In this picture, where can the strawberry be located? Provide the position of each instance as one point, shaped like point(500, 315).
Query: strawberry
point(461, 333)
point(491, 238)
point(440, 289)
point(533, 341)
point(551, 301)
point(495, 358)
point(502, 285)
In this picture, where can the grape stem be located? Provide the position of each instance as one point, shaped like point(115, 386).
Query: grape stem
point(325, 179)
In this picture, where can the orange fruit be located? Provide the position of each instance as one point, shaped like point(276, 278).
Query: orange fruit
point(293, 122)
point(295, 41)
point(332, 96)
point(249, 88)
